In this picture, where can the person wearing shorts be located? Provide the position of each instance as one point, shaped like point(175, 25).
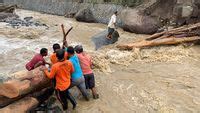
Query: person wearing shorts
point(77, 76)
point(85, 63)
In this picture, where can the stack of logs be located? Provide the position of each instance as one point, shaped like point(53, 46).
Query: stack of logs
point(188, 33)
point(24, 92)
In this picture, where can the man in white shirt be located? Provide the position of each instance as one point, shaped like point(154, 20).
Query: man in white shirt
point(112, 25)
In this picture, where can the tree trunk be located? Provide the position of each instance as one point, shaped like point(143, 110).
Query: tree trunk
point(165, 41)
point(21, 106)
point(32, 81)
point(185, 29)
point(41, 96)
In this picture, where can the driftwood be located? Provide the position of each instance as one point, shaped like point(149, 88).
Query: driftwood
point(32, 81)
point(179, 35)
point(164, 41)
point(182, 29)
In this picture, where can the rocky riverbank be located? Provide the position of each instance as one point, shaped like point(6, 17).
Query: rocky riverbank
point(160, 79)
point(146, 18)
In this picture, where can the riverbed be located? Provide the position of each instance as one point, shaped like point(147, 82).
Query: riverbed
point(157, 80)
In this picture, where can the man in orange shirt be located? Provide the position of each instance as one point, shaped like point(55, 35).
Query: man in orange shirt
point(53, 57)
point(62, 71)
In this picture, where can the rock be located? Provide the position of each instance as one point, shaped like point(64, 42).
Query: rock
point(5, 16)
point(185, 14)
point(85, 15)
point(187, 11)
point(138, 23)
point(28, 18)
point(14, 21)
point(101, 40)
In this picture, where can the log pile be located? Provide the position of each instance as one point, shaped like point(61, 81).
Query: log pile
point(184, 34)
point(24, 92)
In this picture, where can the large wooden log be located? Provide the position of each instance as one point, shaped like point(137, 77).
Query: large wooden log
point(32, 81)
point(21, 106)
point(26, 104)
point(41, 96)
point(165, 41)
point(171, 32)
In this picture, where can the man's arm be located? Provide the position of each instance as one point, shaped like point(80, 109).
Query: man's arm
point(51, 74)
point(72, 67)
point(38, 64)
point(47, 63)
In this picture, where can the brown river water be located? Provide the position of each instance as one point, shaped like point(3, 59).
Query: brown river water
point(157, 80)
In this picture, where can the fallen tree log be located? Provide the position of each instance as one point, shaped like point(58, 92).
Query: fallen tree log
point(28, 103)
point(41, 96)
point(171, 32)
point(165, 41)
point(21, 106)
point(32, 81)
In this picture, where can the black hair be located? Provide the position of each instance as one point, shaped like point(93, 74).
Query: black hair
point(56, 46)
point(60, 54)
point(78, 49)
point(70, 50)
point(116, 12)
point(43, 50)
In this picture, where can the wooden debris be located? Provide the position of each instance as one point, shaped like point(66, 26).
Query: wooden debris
point(179, 35)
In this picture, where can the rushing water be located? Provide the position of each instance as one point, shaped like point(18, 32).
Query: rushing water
point(163, 87)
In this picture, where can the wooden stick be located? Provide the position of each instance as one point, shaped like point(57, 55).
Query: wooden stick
point(65, 44)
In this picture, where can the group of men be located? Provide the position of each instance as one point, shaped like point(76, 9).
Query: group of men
point(69, 67)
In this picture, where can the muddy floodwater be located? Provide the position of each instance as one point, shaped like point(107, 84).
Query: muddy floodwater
point(157, 80)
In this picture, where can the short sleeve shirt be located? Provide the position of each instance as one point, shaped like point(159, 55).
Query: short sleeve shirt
point(37, 58)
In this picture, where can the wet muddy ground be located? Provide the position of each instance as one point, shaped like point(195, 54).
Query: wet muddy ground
point(157, 80)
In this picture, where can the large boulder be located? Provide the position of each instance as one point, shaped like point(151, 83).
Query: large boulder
point(138, 23)
point(85, 15)
point(100, 39)
point(186, 14)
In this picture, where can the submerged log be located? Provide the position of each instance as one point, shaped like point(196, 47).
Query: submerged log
point(32, 81)
point(165, 41)
point(21, 106)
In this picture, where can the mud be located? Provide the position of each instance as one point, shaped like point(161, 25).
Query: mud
point(157, 80)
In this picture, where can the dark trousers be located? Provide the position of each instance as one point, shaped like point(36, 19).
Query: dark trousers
point(63, 96)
